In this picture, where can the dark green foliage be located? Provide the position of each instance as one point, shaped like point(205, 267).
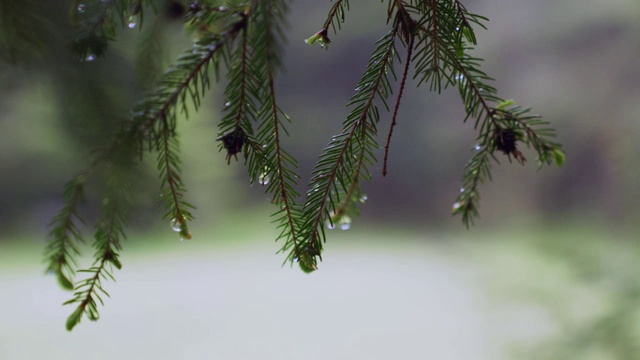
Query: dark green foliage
point(244, 39)
point(23, 31)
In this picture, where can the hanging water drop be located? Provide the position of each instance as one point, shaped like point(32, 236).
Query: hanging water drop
point(456, 206)
point(227, 104)
point(176, 225)
point(478, 147)
point(364, 198)
point(81, 8)
point(330, 225)
point(132, 22)
point(461, 189)
point(345, 223)
point(264, 178)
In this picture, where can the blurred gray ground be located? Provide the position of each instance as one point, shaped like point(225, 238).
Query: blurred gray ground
point(416, 301)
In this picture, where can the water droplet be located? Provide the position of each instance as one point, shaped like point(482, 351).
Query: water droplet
point(81, 8)
point(264, 178)
point(456, 206)
point(227, 104)
point(132, 22)
point(478, 147)
point(176, 225)
point(90, 57)
point(345, 222)
point(461, 189)
point(457, 28)
point(330, 225)
point(364, 198)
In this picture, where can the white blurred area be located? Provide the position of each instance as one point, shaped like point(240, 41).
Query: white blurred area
point(414, 300)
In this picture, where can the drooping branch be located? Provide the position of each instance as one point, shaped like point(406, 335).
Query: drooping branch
point(342, 166)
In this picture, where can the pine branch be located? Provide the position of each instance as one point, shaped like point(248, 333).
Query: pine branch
point(95, 24)
point(62, 248)
point(276, 165)
point(441, 55)
point(403, 81)
point(153, 122)
point(172, 187)
point(108, 236)
point(336, 15)
point(343, 165)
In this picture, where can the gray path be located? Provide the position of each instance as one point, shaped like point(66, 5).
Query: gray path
point(416, 302)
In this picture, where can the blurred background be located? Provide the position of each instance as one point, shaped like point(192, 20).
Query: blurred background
point(549, 271)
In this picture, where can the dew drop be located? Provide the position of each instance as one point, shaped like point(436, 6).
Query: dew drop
point(330, 225)
point(132, 22)
point(456, 206)
point(90, 57)
point(364, 198)
point(345, 222)
point(264, 178)
point(478, 147)
point(227, 104)
point(461, 189)
point(176, 225)
point(81, 8)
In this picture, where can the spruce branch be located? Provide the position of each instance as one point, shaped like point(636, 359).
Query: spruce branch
point(95, 23)
point(246, 38)
point(336, 16)
point(277, 166)
point(108, 236)
point(394, 118)
point(62, 248)
point(343, 164)
point(172, 187)
point(443, 56)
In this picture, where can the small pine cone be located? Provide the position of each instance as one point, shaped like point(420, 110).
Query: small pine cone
point(232, 142)
point(506, 141)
